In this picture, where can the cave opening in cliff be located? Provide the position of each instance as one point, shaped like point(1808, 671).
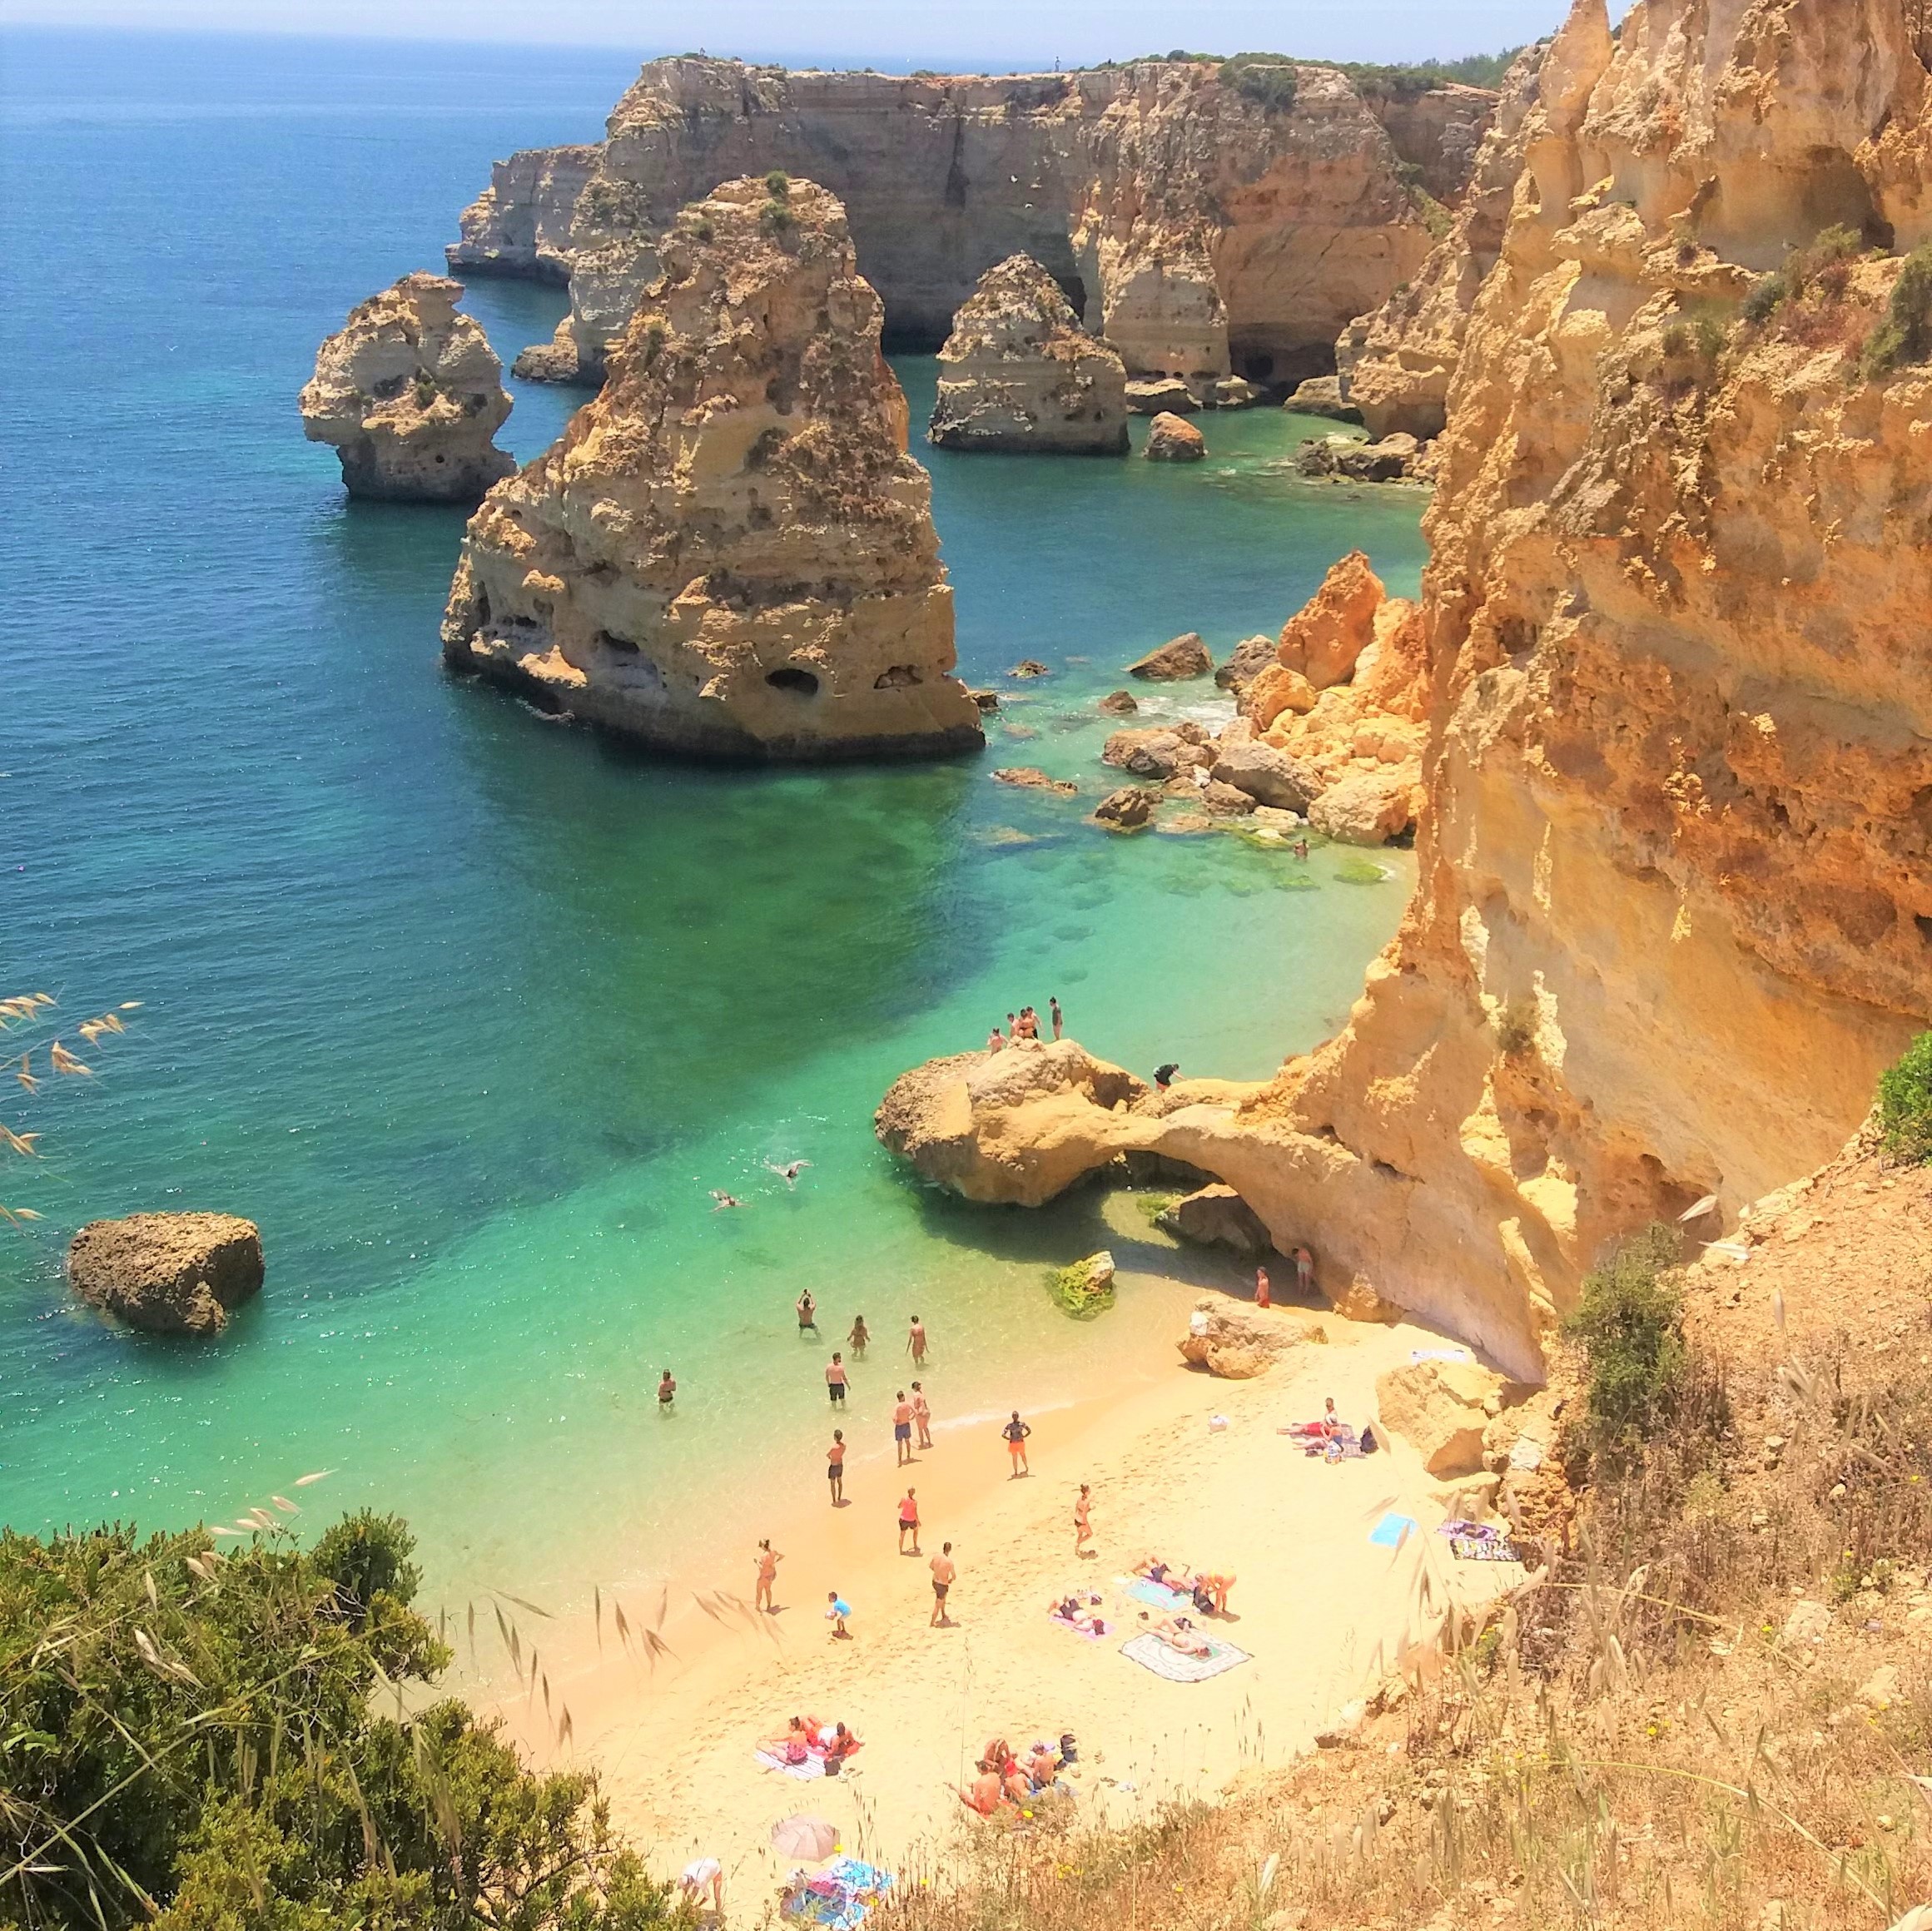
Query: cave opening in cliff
point(789, 678)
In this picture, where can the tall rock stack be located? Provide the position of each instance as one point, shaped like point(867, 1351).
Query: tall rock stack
point(412, 394)
point(1018, 372)
point(729, 553)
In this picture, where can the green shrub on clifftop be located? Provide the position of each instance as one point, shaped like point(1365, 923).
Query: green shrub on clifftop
point(1905, 1103)
point(1629, 1324)
point(1905, 334)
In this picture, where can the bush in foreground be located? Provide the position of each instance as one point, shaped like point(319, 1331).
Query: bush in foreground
point(1905, 1103)
point(211, 1744)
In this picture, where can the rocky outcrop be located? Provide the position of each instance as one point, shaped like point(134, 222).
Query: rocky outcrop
point(520, 224)
point(1165, 395)
point(412, 394)
point(729, 553)
point(1250, 657)
point(1233, 1343)
point(1441, 1408)
point(1129, 809)
point(1216, 1216)
point(1395, 364)
point(1321, 395)
point(1181, 658)
point(170, 1274)
point(1173, 439)
point(1018, 372)
point(1202, 231)
point(1395, 458)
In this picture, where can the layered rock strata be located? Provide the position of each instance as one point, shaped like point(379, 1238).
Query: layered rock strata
point(1201, 231)
point(1674, 910)
point(1018, 373)
point(729, 553)
point(410, 394)
point(520, 224)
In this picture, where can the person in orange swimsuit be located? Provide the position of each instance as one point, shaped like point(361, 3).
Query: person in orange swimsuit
point(768, 1561)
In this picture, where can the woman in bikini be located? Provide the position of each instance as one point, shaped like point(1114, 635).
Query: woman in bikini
point(768, 1561)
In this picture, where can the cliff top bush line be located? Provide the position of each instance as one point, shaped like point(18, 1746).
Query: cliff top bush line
point(1404, 79)
point(1905, 1102)
point(211, 1743)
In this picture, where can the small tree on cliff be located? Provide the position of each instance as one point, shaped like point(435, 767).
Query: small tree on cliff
point(1904, 1103)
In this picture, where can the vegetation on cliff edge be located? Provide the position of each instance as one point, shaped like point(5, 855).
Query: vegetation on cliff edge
point(1905, 1102)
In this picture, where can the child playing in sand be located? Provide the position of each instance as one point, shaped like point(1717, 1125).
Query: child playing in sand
point(838, 1609)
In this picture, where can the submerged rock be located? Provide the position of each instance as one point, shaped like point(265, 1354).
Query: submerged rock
point(410, 394)
point(170, 1274)
point(1180, 657)
point(1030, 777)
point(1171, 440)
point(729, 552)
point(1018, 372)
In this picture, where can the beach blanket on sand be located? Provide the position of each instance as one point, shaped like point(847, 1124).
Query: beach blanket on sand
point(1065, 1623)
point(813, 1766)
point(1475, 1549)
point(1150, 1653)
point(839, 1896)
point(1154, 1595)
point(1393, 1530)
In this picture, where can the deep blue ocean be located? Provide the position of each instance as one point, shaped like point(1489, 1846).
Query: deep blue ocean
point(468, 1010)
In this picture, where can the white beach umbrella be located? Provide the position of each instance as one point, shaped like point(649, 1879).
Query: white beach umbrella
point(810, 1839)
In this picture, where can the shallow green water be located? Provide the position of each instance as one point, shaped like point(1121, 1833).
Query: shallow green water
point(470, 1011)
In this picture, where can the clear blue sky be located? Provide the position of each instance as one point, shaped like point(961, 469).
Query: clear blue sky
point(887, 31)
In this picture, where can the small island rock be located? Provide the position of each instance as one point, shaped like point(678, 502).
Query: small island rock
point(1117, 704)
point(1169, 439)
point(410, 394)
point(1180, 657)
point(1018, 372)
point(1126, 810)
point(170, 1274)
point(1161, 395)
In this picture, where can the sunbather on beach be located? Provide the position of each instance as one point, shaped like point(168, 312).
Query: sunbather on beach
point(1178, 1633)
point(1081, 1612)
point(988, 1791)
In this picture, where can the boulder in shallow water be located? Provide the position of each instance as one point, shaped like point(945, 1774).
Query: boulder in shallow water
point(1171, 440)
point(1180, 657)
point(1168, 395)
point(1030, 777)
point(1368, 807)
point(1321, 395)
point(1217, 1216)
point(1117, 704)
point(1251, 656)
point(1267, 775)
point(1126, 810)
point(170, 1274)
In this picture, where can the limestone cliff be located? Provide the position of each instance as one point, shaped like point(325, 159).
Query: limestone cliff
point(1018, 372)
point(1675, 902)
point(410, 394)
point(729, 553)
point(520, 224)
point(1197, 228)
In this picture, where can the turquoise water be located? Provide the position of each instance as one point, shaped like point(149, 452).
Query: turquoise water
point(470, 1010)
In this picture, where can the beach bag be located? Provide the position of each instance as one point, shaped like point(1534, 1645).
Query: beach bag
point(834, 1763)
point(796, 1752)
point(1369, 1444)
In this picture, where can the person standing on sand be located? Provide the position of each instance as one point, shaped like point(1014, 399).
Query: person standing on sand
point(1261, 1289)
point(1016, 1432)
point(1304, 1271)
point(768, 1561)
point(835, 1467)
point(807, 1313)
point(902, 1428)
point(916, 1342)
point(945, 1570)
point(861, 1337)
point(1053, 1008)
point(667, 1393)
point(909, 1523)
point(837, 1609)
point(1083, 1524)
point(922, 1416)
point(835, 1379)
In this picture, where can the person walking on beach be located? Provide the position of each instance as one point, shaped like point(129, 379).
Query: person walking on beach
point(945, 1570)
point(1261, 1288)
point(807, 1313)
point(835, 1379)
point(861, 1337)
point(1083, 1524)
point(909, 1523)
point(1016, 1432)
point(1053, 1008)
point(837, 1609)
point(768, 1561)
point(667, 1393)
point(922, 1416)
point(1304, 1271)
point(902, 1428)
point(835, 1467)
point(916, 1342)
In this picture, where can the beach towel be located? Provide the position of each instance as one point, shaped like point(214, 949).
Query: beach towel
point(1440, 1354)
point(1393, 1530)
point(839, 1896)
point(1066, 1623)
point(1475, 1549)
point(813, 1766)
point(1154, 1595)
point(1150, 1653)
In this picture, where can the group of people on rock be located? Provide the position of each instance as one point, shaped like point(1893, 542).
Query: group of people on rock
point(1022, 1027)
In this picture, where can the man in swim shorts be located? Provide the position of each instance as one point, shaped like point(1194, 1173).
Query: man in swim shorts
point(945, 1570)
point(807, 1313)
point(909, 1523)
point(1016, 1432)
point(667, 1393)
point(902, 1428)
point(835, 1467)
point(835, 1379)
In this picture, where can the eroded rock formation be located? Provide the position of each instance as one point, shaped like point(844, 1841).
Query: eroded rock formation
point(1675, 902)
point(1018, 372)
point(1199, 231)
point(520, 224)
point(729, 553)
point(170, 1274)
point(410, 394)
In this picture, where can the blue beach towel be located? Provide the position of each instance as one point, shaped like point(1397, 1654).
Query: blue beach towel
point(1391, 1530)
point(1155, 1595)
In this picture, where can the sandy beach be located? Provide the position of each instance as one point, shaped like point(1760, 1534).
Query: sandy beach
point(1320, 1610)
